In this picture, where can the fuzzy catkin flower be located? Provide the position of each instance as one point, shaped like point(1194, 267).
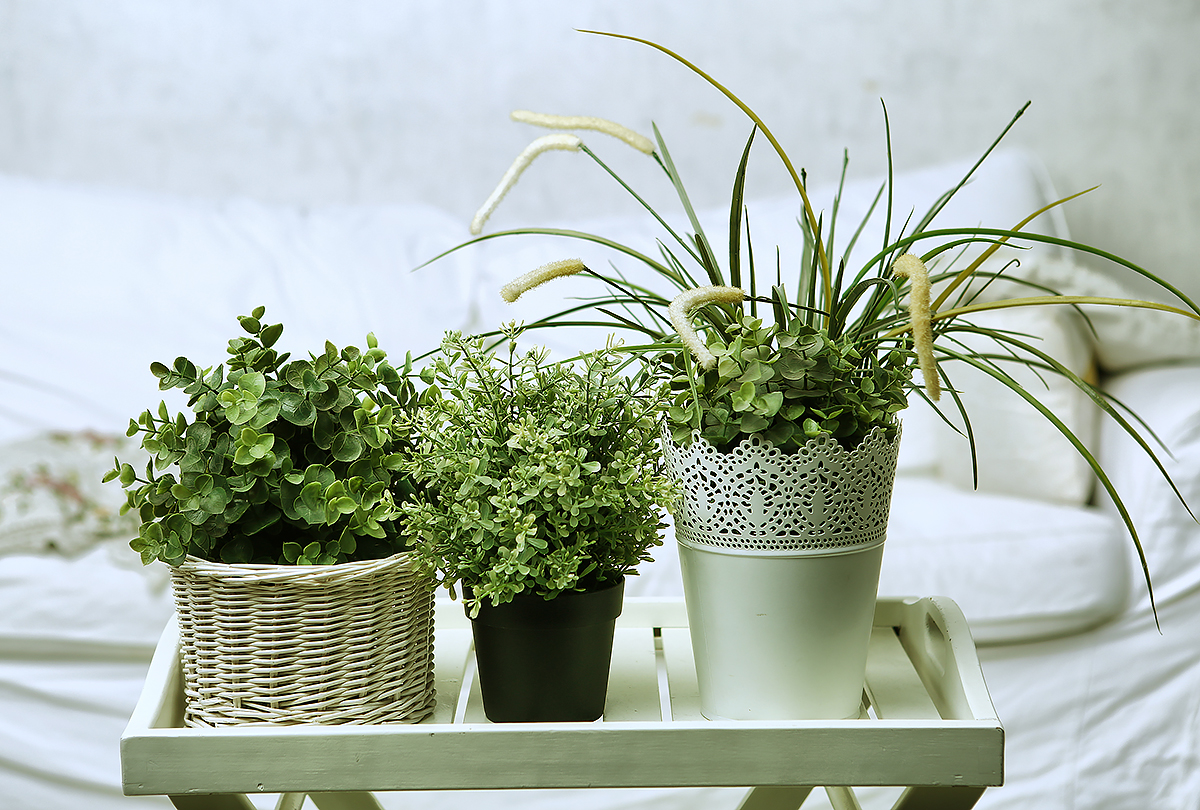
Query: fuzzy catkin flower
point(542, 144)
point(514, 289)
point(638, 142)
point(680, 311)
point(910, 267)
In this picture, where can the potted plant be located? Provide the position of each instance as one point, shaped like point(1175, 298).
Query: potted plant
point(276, 503)
point(784, 422)
point(541, 489)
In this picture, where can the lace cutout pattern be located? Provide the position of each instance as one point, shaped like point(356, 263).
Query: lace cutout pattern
point(818, 499)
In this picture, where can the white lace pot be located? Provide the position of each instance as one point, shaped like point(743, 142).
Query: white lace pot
point(780, 556)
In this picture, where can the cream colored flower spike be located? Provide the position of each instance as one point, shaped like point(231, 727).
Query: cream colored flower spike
point(638, 142)
point(910, 267)
point(680, 314)
point(542, 144)
point(514, 289)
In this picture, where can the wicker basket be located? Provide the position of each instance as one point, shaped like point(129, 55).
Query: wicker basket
point(284, 644)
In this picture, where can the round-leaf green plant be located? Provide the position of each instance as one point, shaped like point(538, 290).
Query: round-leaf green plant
point(537, 477)
point(281, 461)
point(787, 383)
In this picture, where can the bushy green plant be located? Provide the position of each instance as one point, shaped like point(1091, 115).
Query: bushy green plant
point(537, 477)
point(282, 461)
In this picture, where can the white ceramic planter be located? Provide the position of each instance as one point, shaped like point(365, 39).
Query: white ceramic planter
point(780, 557)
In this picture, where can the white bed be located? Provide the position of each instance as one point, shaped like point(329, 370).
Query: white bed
point(1101, 709)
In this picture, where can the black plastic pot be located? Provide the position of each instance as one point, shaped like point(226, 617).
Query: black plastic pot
point(547, 660)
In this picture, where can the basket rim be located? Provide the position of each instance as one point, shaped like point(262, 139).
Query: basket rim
point(272, 572)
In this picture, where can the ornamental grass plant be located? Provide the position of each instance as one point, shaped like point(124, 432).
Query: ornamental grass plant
point(832, 351)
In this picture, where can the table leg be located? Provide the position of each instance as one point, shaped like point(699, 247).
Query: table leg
point(211, 801)
point(287, 801)
point(775, 798)
point(954, 797)
point(842, 798)
point(345, 801)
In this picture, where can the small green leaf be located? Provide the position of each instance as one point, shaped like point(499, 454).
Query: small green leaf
point(344, 505)
point(347, 447)
point(311, 503)
point(296, 409)
point(260, 518)
point(752, 423)
point(253, 383)
point(769, 404)
point(270, 334)
point(780, 433)
point(237, 551)
point(743, 397)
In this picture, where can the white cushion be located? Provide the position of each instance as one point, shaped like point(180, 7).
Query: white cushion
point(1019, 569)
point(1125, 337)
point(1018, 450)
point(1168, 399)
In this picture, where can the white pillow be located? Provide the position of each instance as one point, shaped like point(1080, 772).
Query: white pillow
point(1125, 337)
point(101, 282)
point(1168, 399)
point(1019, 451)
point(1020, 569)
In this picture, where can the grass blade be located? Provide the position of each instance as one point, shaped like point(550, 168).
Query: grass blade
point(704, 250)
point(753, 116)
point(735, 216)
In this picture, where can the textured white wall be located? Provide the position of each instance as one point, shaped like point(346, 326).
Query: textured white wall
point(397, 100)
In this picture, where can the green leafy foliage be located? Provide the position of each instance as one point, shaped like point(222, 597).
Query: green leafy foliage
point(282, 461)
point(788, 385)
point(537, 477)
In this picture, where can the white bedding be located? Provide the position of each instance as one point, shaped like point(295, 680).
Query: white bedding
point(1095, 719)
point(108, 281)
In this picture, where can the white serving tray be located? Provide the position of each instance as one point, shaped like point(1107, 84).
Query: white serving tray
point(928, 723)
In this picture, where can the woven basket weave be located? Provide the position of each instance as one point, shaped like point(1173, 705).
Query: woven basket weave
point(284, 644)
